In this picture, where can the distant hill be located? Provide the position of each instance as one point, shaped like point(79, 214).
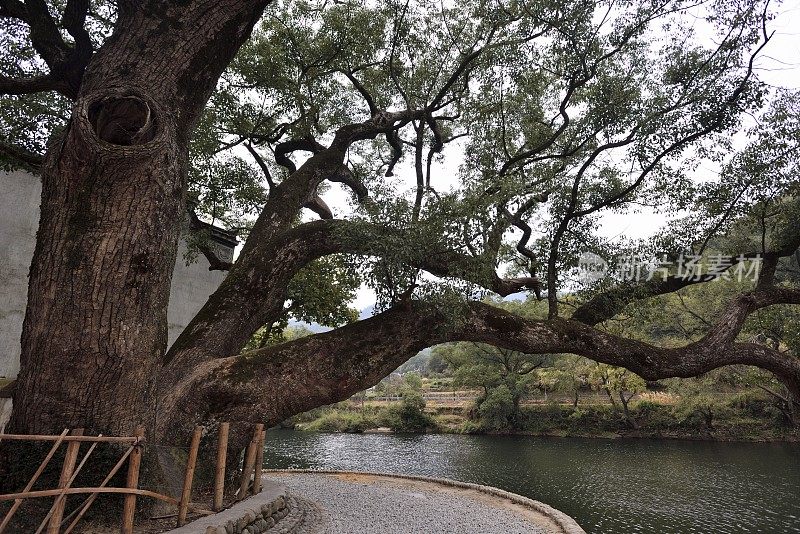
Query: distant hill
point(366, 313)
point(369, 311)
point(417, 363)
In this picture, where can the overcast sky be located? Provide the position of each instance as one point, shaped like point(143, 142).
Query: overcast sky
point(778, 66)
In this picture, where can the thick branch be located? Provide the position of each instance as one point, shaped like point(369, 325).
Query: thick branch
point(282, 151)
point(343, 175)
point(24, 86)
point(254, 292)
point(607, 304)
point(318, 206)
point(74, 19)
point(351, 358)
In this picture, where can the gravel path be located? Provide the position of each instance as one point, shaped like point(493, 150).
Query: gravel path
point(359, 504)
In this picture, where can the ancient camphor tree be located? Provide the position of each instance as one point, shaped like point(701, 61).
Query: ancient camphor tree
point(554, 112)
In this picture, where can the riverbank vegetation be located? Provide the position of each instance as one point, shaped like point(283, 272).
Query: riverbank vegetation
point(747, 416)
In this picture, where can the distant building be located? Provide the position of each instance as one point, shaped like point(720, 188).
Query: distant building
point(20, 196)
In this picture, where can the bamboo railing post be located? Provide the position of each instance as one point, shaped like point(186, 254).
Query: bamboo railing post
point(259, 463)
point(222, 456)
point(249, 461)
point(59, 498)
point(186, 494)
point(66, 475)
point(247, 465)
point(32, 481)
point(132, 482)
point(78, 512)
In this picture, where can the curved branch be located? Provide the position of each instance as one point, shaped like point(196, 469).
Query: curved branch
point(28, 159)
point(373, 108)
point(356, 356)
point(607, 304)
point(282, 151)
point(24, 86)
point(344, 175)
point(44, 33)
point(262, 165)
point(254, 292)
point(74, 20)
point(318, 206)
point(66, 62)
point(393, 138)
point(613, 301)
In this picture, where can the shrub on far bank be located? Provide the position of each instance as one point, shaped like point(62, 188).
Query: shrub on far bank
point(497, 410)
point(409, 415)
point(341, 421)
point(747, 416)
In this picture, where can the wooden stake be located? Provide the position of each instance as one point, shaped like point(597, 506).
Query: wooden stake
point(132, 482)
point(59, 500)
point(90, 499)
point(63, 481)
point(183, 506)
point(247, 468)
point(222, 456)
point(32, 481)
point(259, 463)
point(249, 461)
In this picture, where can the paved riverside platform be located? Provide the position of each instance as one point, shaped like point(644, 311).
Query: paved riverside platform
point(351, 502)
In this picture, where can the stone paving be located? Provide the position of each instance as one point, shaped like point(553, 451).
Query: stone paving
point(358, 504)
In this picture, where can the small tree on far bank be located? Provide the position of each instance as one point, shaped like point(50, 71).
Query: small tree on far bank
point(409, 415)
point(571, 375)
point(619, 384)
point(505, 377)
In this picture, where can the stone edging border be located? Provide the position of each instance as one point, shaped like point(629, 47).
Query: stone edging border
point(253, 515)
point(565, 522)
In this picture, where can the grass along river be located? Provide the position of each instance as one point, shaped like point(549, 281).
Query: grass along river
point(608, 486)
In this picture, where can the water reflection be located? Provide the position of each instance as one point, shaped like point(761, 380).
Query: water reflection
point(608, 486)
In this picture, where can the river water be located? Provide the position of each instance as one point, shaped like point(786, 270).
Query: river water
point(608, 486)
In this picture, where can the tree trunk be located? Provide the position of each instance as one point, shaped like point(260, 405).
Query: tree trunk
point(113, 203)
point(95, 324)
point(628, 418)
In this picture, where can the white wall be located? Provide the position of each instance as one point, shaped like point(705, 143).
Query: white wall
point(19, 218)
point(191, 287)
point(20, 194)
